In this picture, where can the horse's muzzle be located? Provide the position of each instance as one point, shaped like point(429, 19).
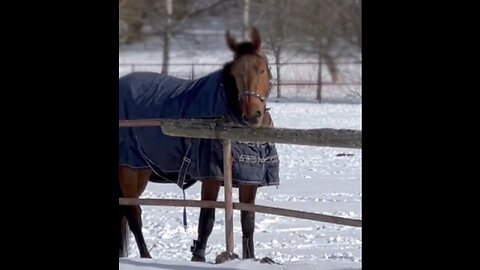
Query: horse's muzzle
point(254, 120)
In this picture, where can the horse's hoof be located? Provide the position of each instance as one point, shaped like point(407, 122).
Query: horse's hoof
point(196, 258)
point(225, 256)
point(268, 260)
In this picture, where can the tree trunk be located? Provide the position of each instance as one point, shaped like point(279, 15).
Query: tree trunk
point(279, 77)
point(331, 66)
point(319, 78)
point(279, 38)
point(246, 23)
point(166, 37)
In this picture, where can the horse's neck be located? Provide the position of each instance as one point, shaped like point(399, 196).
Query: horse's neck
point(231, 90)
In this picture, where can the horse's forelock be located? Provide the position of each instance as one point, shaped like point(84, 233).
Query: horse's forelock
point(245, 48)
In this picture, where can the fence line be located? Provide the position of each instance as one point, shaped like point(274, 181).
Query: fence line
point(222, 129)
point(217, 64)
point(219, 128)
point(191, 68)
point(243, 207)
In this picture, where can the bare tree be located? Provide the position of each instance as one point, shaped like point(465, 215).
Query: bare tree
point(276, 32)
point(167, 34)
point(246, 19)
point(321, 24)
point(168, 18)
point(352, 19)
point(132, 16)
point(121, 4)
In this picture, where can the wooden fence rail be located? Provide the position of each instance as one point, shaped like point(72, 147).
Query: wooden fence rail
point(228, 131)
point(221, 129)
point(244, 207)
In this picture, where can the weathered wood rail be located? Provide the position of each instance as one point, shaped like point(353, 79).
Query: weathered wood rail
point(228, 131)
point(244, 207)
point(221, 129)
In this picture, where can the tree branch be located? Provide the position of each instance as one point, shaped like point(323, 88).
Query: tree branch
point(121, 4)
point(196, 10)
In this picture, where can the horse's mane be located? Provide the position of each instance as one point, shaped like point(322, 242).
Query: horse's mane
point(231, 90)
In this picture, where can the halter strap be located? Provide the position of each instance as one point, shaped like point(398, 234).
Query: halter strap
point(253, 94)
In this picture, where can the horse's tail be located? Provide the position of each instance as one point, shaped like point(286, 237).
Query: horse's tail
point(124, 230)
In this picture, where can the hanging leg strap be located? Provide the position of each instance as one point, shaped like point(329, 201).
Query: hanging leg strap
point(181, 179)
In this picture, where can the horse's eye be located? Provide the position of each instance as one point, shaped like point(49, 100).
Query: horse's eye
point(262, 71)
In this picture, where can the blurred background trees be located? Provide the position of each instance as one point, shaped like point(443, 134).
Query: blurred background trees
point(328, 31)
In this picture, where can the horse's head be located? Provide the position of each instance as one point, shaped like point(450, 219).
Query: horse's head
point(252, 76)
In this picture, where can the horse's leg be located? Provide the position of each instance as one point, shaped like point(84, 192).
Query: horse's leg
point(210, 190)
point(133, 183)
point(247, 195)
point(122, 237)
point(122, 246)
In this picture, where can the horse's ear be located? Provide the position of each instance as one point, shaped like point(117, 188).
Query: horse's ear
point(231, 42)
point(256, 40)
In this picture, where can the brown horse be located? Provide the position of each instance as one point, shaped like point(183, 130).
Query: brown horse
point(247, 88)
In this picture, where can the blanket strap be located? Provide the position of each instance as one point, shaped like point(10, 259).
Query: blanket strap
point(181, 178)
point(181, 175)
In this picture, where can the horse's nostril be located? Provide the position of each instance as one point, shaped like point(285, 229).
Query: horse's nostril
point(259, 113)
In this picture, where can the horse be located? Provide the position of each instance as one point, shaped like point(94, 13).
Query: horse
point(237, 92)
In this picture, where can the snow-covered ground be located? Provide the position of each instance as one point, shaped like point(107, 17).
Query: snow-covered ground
point(314, 179)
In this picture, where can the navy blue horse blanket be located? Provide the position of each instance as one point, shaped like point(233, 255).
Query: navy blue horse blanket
point(145, 95)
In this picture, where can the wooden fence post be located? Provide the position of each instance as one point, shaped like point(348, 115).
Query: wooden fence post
point(227, 170)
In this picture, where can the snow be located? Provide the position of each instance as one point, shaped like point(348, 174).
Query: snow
point(314, 179)
point(150, 264)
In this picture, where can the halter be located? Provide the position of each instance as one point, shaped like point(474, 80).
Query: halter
point(253, 93)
